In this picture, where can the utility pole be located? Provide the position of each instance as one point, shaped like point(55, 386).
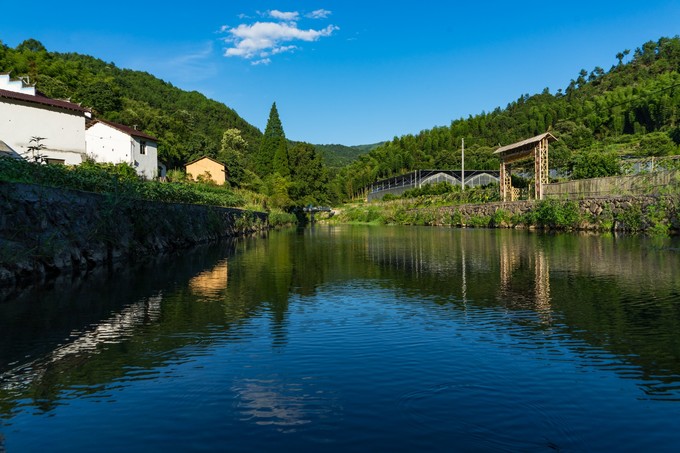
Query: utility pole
point(462, 163)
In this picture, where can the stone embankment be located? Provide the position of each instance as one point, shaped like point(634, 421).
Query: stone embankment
point(46, 232)
point(619, 213)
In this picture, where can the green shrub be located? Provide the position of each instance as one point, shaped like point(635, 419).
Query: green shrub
point(595, 165)
point(631, 218)
point(478, 221)
point(557, 214)
point(500, 217)
point(455, 218)
point(119, 180)
point(279, 218)
point(439, 188)
point(656, 144)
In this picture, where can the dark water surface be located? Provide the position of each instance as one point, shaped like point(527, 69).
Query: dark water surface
point(355, 339)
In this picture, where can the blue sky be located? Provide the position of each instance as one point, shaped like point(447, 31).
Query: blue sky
point(350, 72)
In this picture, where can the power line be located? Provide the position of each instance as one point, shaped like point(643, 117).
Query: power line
point(645, 94)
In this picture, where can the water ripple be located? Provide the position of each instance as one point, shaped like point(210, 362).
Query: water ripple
point(487, 418)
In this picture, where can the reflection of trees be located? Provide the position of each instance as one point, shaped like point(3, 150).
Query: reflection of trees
point(612, 294)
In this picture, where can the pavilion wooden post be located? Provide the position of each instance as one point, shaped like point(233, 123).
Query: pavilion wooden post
point(506, 181)
point(540, 166)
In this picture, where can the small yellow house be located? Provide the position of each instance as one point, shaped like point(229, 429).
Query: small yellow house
point(207, 169)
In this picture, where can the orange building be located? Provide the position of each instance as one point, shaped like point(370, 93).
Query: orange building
point(208, 169)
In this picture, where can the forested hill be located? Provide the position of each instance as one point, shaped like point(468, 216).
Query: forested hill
point(187, 123)
point(631, 109)
point(337, 156)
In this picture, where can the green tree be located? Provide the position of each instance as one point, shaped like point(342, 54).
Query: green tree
point(674, 134)
point(273, 154)
point(31, 45)
point(309, 178)
point(595, 165)
point(281, 161)
point(276, 188)
point(102, 95)
point(657, 144)
point(232, 155)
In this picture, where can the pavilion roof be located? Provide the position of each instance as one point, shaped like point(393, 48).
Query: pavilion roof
point(525, 145)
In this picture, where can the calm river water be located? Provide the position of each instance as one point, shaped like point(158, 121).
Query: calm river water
point(354, 339)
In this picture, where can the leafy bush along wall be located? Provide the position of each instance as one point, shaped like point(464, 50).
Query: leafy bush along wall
point(655, 215)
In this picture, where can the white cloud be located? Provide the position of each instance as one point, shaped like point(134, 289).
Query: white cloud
point(319, 14)
point(263, 39)
point(280, 15)
point(264, 61)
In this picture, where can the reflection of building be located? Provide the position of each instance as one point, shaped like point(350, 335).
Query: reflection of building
point(117, 329)
point(211, 282)
point(510, 262)
point(542, 281)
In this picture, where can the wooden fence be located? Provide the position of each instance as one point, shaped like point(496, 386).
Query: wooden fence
point(640, 184)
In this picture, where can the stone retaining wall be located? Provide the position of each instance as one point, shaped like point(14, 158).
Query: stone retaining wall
point(46, 231)
point(594, 212)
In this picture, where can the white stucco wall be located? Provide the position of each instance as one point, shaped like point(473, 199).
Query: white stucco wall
point(107, 144)
point(63, 130)
point(17, 86)
point(146, 164)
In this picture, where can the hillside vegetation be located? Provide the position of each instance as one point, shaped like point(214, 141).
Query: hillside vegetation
point(338, 156)
point(633, 109)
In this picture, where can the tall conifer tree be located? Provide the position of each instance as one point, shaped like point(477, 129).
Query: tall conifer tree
point(273, 153)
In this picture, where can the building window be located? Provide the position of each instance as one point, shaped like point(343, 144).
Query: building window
point(142, 147)
point(55, 161)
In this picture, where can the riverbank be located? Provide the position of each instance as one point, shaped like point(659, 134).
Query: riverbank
point(47, 231)
point(649, 214)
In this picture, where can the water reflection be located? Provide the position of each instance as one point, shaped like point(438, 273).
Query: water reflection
point(522, 295)
point(598, 295)
point(211, 283)
point(78, 336)
point(285, 405)
point(120, 327)
point(613, 302)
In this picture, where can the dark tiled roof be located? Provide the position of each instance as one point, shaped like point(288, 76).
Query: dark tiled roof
point(41, 99)
point(201, 158)
point(125, 129)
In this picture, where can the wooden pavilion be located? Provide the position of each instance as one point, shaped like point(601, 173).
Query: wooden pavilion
point(536, 146)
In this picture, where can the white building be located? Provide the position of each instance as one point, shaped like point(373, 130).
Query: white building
point(115, 143)
point(7, 151)
point(26, 113)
